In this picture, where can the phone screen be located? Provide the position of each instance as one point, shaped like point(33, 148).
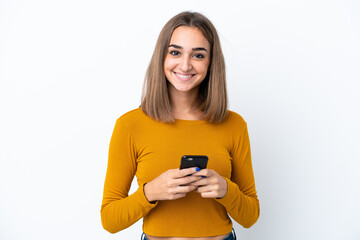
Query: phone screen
point(188, 161)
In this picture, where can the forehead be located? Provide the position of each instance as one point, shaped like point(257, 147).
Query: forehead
point(189, 37)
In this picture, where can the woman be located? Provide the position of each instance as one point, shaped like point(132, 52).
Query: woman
point(183, 112)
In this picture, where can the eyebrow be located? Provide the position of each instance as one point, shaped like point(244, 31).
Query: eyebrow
point(195, 49)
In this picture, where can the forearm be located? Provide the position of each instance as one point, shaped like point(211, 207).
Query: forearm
point(118, 214)
point(243, 208)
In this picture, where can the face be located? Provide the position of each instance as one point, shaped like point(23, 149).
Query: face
point(187, 60)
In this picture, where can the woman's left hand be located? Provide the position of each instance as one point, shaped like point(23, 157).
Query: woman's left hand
point(212, 185)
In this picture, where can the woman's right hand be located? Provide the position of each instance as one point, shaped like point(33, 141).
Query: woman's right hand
point(171, 185)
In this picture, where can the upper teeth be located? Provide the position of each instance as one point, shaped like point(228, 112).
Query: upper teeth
point(184, 76)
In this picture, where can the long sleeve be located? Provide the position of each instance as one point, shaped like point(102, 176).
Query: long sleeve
point(120, 210)
point(241, 200)
point(146, 148)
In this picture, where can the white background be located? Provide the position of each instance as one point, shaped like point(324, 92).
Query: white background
point(69, 68)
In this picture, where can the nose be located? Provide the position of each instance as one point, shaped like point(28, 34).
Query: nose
point(185, 64)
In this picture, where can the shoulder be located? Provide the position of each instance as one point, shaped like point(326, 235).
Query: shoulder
point(131, 115)
point(135, 118)
point(234, 118)
point(234, 123)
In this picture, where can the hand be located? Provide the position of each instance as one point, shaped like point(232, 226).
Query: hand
point(171, 185)
point(212, 185)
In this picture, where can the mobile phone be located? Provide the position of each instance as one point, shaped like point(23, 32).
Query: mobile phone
point(188, 161)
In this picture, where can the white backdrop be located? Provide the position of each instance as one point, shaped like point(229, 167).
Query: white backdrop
point(70, 68)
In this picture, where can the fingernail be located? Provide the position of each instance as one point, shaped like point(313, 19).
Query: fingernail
point(203, 176)
point(197, 169)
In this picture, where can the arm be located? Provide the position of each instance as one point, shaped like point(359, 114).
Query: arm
point(241, 200)
point(118, 210)
point(237, 195)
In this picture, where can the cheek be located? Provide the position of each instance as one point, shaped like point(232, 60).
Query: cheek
point(203, 67)
point(168, 68)
point(169, 64)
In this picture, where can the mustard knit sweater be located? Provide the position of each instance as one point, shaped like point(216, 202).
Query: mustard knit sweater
point(146, 148)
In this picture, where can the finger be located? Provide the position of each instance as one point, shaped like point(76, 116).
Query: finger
point(187, 180)
point(184, 172)
point(200, 182)
point(208, 195)
point(211, 191)
point(207, 188)
point(182, 189)
point(205, 173)
point(207, 180)
point(177, 196)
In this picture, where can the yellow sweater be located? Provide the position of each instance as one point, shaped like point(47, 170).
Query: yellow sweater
point(146, 148)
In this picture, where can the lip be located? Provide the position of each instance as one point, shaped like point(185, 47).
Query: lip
point(184, 76)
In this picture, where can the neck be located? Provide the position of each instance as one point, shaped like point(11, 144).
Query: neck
point(185, 104)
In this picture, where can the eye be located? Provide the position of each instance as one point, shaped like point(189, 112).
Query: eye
point(175, 53)
point(199, 55)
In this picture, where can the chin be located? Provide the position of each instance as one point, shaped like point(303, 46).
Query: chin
point(183, 89)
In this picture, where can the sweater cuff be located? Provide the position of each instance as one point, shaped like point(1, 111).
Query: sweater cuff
point(230, 198)
point(142, 199)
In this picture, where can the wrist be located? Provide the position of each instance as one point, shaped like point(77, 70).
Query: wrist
point(225, 184)
point(147, 194)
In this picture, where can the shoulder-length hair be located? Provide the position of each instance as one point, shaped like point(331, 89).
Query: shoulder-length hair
point(155, 100)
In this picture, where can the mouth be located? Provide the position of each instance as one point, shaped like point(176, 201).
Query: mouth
point(183, 77)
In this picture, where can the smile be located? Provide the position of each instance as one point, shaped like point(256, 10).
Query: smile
point(183, 77)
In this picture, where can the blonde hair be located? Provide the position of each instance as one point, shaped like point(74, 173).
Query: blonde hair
point(155, 100)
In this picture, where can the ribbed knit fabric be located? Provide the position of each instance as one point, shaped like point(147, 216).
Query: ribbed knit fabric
point(146, 148)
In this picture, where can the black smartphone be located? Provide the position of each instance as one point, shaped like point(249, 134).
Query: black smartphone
point(188, 161)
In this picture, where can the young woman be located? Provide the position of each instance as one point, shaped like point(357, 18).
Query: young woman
point(183, 112)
